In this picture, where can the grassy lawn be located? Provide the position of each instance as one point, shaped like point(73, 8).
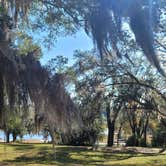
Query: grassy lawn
point(42, 154)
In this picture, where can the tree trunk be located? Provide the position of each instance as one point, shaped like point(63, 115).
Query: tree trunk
point(64, 139)
point(14, 137)
point(94, 139)
point(134, 134)
point(145, 131)
point(53, 144)
point(111, 129)
point(145, 136)
point(7, 133)
point(52, 134)
point(53, 139)
point(119, 134)
point(111, 123)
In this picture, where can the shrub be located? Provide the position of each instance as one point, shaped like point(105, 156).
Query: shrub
point(159, 139)
point(142, 142)
point(159, 136)
point(132, 141)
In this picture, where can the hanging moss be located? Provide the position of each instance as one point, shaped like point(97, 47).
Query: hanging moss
point(24, 82)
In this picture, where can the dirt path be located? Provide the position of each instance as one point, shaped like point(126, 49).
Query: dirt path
point(144, 150)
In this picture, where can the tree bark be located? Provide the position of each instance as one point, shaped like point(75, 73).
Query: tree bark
point(145, 130)
point(111, 124)
point(53, 140)
point(145, 136)
point(7, 133)
point(119, 134)
point(14, 137)
point(111, 130)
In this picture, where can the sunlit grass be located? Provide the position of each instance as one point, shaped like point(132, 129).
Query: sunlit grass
point(43, 154)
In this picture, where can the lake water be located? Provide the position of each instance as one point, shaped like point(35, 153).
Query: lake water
point(26, 137)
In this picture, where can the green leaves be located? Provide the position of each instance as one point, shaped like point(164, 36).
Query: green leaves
point(26, 45)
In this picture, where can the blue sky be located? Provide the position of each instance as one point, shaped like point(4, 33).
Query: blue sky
point(67, 45)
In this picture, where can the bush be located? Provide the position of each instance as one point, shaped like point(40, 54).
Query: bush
point(132, 141)
point(84, 138)
point(159, 139)
point(142, 142)
point(159, 136)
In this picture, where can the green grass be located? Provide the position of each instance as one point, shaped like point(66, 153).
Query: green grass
point(43, 154)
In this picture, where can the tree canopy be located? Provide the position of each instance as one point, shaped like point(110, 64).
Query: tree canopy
point(59, 17)
point(123, 29)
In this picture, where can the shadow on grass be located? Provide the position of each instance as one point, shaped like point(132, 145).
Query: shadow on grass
point(70, 156)
point(22, 147)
